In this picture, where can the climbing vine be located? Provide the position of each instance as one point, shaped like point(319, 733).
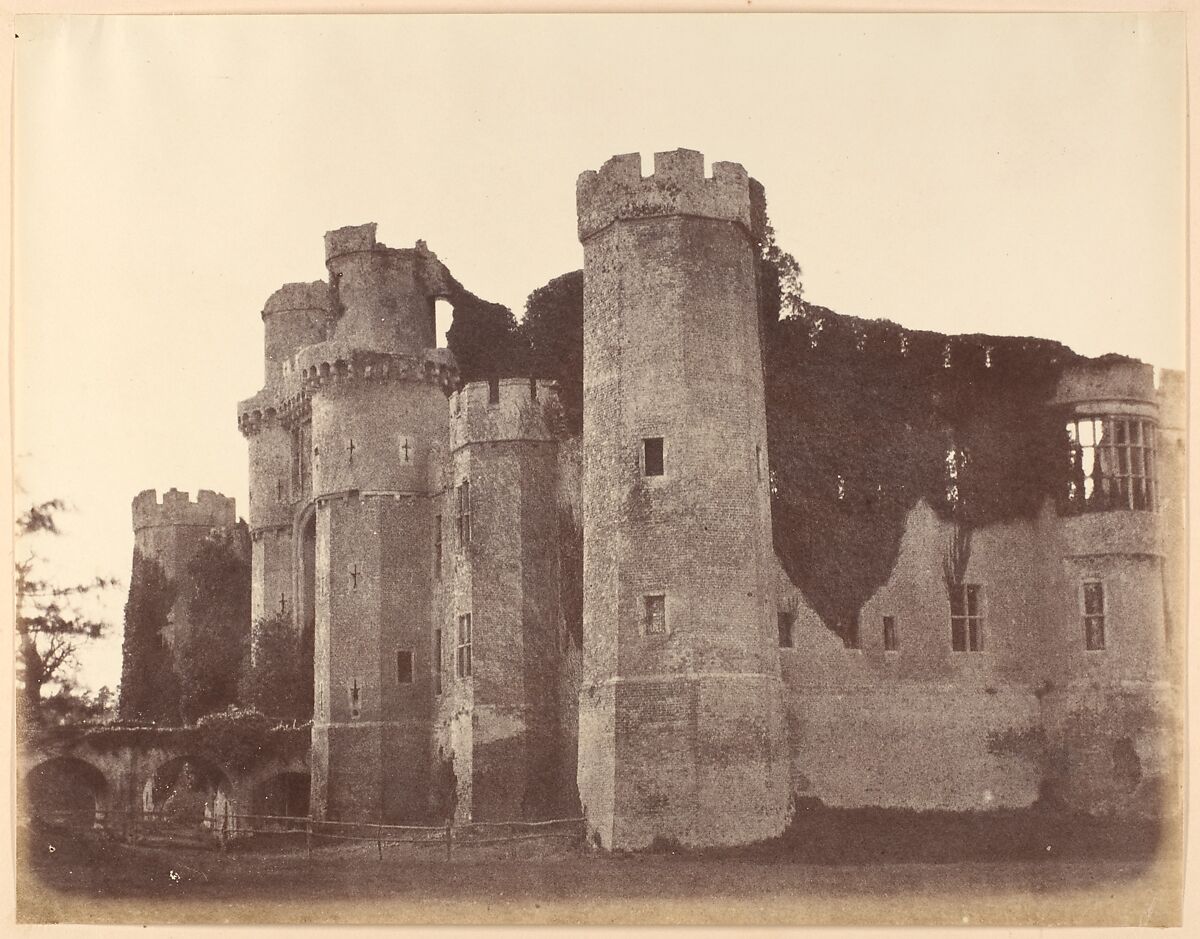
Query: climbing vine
point(864, 417)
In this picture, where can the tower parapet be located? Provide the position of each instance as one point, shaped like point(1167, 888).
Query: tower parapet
point(210, 510)
point(1112, 381)
point(509, 409)
point(677, 187)
point(339, 361)
point(294, 316)
point(171, 532)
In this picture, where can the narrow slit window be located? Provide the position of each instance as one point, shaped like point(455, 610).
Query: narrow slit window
point(437, 547)
point(464, 514)
point(463, 653)
point(851, 639)
point(493, 391)
point(652, 456)
point(654, 614)
point(404, 666)
point(437, 661)
point(786, 621)
point(533, 389)
point(890, 644)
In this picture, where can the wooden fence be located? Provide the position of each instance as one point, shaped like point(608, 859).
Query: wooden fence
point(141, 826)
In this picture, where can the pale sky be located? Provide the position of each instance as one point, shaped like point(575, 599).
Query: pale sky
point(1004, 174)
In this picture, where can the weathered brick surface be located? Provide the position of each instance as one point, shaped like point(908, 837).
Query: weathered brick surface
point(920, 727)
point(507, 578)
point(671, 350)
point(701, 734)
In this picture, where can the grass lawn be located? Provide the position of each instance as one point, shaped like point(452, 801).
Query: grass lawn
point(90, 879)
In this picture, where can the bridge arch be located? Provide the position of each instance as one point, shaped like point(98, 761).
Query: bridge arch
point(68, 789)
point(188, 788)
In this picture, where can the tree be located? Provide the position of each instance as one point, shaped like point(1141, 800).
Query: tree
point(484, 339)
point(780, 290)
point(50, 624)
point(211, 650)
point(149, 685)
point(553, 331)
point(278, 679)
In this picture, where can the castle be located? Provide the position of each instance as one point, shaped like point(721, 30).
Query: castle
point(437, 542)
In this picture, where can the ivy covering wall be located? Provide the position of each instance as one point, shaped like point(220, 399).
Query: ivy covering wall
point(864, 419)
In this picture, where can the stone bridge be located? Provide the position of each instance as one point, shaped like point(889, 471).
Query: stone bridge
point(111, 776)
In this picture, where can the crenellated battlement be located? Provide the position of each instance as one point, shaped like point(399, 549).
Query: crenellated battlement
point(265, 408)
point(210, 510)
point(520, 409)
point(333, 362)
point(678, 186)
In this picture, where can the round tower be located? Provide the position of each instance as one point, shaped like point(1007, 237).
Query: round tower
point(681, 727)
point(377, 393)
point(1111, 708)
point(497, 718)
point(171, 532)
point(294, 317)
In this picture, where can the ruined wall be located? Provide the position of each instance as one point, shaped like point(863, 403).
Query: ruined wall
point(1035, 711)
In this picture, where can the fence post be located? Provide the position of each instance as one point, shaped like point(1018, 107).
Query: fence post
point(379, 839)
point(449, 838)
point(308, 836)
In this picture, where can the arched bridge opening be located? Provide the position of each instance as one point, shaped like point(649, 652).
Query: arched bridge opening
point(66, 790)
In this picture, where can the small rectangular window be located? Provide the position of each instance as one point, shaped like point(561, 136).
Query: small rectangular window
point(1093, 615)
point(851, 638)
point(404, 666)
point(654, 614)
point(437, 661)
point(463, 652)
point(889, 634)
point(652, 450)
point(493, 391)
point(786, 620)
point(533, 389)
point(966, 618)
